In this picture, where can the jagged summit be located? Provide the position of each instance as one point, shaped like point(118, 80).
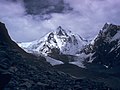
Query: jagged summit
point(110, 28)
point(60, 41)
point(109, 25)
point(109, 32)
point(106, 25)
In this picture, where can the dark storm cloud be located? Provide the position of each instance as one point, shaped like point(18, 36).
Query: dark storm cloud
point(86, 19)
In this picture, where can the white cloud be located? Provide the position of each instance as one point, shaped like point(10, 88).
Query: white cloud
point(87, 17)
point(21, 27)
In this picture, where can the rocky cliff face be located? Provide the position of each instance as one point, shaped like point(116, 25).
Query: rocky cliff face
point(105, 48)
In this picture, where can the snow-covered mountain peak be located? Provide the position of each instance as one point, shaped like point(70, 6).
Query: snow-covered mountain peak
point(61, 32)
point(58, 42)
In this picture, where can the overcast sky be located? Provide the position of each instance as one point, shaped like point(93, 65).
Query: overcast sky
point(86, 19)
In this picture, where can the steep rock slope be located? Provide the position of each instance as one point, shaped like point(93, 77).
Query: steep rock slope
point(105, 48)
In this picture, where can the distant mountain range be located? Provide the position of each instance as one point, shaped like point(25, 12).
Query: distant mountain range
point(69, 52)
point(20, 70)
point(102, 50)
